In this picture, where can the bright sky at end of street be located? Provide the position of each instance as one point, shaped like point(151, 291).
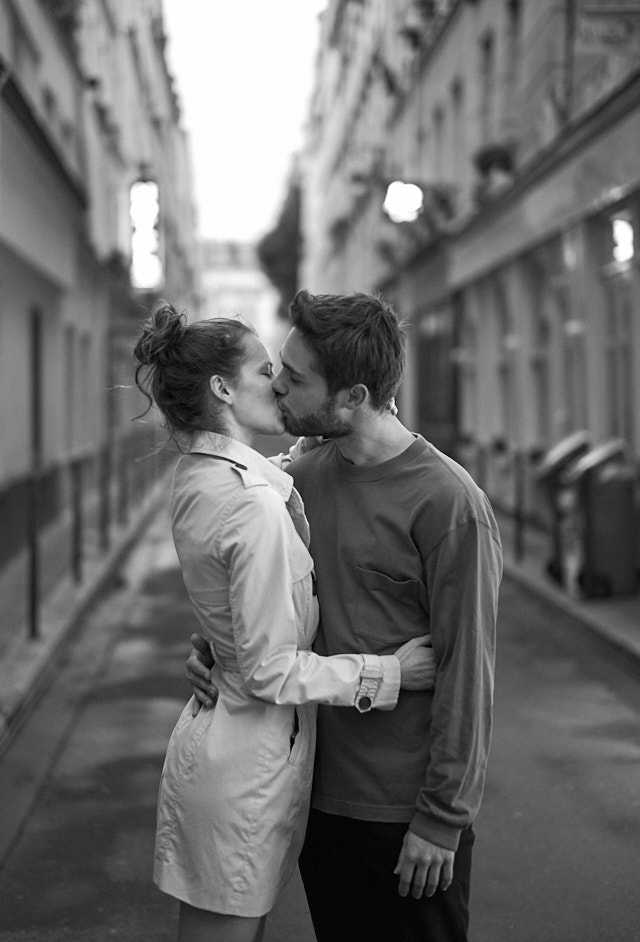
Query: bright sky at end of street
point(243, 71)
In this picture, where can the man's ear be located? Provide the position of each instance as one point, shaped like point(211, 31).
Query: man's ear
point(219, 388)
point(356, 396)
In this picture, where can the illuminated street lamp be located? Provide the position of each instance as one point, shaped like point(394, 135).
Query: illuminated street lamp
point(403, 201)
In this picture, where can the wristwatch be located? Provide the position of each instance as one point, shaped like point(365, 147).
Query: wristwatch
point(370, 680)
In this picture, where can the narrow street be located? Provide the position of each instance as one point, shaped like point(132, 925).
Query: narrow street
point(558, 838)
point(79, 781)
point(557, 850)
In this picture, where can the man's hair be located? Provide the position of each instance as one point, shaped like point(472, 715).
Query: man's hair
point(356, 338)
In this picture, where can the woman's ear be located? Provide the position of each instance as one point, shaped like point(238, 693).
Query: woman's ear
point(219, 388)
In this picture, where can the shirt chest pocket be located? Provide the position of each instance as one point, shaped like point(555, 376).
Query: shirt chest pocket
point(388, 611)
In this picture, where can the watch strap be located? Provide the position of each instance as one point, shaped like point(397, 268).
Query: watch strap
point(370, 680)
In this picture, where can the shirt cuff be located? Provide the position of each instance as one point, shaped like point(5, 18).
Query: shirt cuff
point(434, 831)
point(387, 696)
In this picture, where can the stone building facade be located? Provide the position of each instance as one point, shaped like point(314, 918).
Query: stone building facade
point(233, 284)
point(88, 114)
point(520, 122)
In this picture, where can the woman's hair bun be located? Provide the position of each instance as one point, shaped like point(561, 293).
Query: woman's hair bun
point(160, 336)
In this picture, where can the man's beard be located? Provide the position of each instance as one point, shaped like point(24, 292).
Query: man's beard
point(323, 422)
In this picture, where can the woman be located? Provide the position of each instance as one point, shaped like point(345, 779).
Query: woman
point(236, 781)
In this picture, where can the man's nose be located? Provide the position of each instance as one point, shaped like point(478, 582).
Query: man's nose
point(277, 384)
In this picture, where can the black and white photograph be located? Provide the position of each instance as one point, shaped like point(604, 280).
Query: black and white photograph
point(319, 470)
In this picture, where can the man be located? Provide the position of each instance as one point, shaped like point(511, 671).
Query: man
point(404, 543)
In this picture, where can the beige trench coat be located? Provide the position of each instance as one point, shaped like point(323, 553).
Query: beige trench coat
point(236, 781)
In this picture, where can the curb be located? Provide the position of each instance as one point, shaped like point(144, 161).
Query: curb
point(29, 665)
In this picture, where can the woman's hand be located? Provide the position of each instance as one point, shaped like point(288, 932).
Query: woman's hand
point(417, 664)
point(309, 443)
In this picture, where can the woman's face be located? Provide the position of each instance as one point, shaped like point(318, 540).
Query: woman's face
point(254, 408)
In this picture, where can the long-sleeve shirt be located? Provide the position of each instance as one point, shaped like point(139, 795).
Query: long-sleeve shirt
point(403, 548)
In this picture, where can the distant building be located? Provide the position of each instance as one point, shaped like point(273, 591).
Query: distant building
point(96, 220)
point(520, 123)
point(233, 283)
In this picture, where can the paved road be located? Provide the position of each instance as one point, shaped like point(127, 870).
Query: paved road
point(558, 849)
point(79, 781)
point(558, 837)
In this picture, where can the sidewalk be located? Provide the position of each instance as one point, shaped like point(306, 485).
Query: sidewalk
point(26, 664)
point(614, 622)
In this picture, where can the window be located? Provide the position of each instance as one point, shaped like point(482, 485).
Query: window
point(573, 360)
point(438, 143)
point(458, 136)
point(36, 387)
point(617, 251)
point(541, 333)
point(623, 238)
point(86, 388)
point(509, 345)
point(70, 387)
point(146, 264)
point(618, 347)
point(514, 58)
point(487, 87)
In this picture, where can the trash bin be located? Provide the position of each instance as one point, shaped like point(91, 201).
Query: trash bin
point(604, 483)
point(549, 475)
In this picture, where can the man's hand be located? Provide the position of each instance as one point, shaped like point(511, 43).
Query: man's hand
point(417, 664)
point(199, 667)
point(423, 867)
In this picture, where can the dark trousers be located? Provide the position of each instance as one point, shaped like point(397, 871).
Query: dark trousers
point(347, 870)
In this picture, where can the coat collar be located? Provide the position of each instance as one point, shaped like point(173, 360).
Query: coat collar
point(253, 468)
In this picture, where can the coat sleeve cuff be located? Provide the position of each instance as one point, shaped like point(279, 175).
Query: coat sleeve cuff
point(389, 689)
point(282, 460)
point(434, 831)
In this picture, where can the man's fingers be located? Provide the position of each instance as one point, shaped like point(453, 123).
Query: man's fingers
point(207, 699)
point(412, 879)
point(446, 877)
point(424, 641)
point(200, 644)
point(433, 879)
point(196, 669)
point(405, 871)
point(419, 880)
point(423, 868)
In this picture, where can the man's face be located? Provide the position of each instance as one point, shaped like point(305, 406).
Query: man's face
point(302, 393)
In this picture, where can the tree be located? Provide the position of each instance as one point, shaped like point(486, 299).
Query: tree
point(279, 251)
